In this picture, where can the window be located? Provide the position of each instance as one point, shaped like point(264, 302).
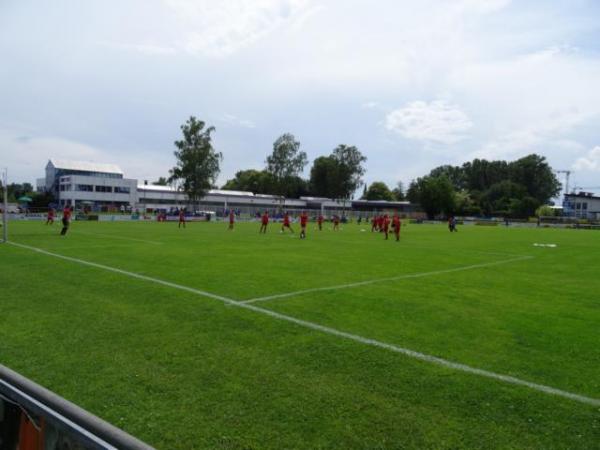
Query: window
point(65, 187)
point(121, 190)
point(84, 187)
point(103, 188)
point(584, 206)
point(578, 206)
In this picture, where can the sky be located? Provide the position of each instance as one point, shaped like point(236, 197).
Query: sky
point(412, 84)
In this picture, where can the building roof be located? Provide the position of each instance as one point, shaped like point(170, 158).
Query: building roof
point(157, 188)
point(586, 195)
point(85, 166)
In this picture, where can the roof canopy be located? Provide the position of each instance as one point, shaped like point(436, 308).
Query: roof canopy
point(85, 166)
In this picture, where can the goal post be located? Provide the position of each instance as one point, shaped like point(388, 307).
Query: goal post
point(4, 183)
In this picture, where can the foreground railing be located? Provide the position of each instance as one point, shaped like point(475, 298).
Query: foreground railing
point(33, 417)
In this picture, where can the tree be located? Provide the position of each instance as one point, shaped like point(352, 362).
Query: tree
point(256, 181)
point(323, 177)
point(480, 174)
point(286, 161)
point(378, 190)
point(398, 191)
point(42, 199)
point(538, 178)
point(455, 174)
point(198, 164)
point(524, 207)
point(16, 190)
point(162, 181)
point(434, 194)
point(545, 211)
point(350, 170)
point(497, 199)
point(339, 174)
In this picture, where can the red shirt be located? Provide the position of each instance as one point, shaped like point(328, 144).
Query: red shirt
point(336, 220)
point(181, 216)
point(396, 222)
point(286, 220)
point(386, 222)
point(303, 220)
point(320, 219)
point(67, 213)
point(265, 219)
point(231, 216)
point(50, 214)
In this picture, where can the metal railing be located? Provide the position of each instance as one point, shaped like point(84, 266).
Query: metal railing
point(62, 416)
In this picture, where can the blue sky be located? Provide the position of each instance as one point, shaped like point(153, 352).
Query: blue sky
point(412, 84)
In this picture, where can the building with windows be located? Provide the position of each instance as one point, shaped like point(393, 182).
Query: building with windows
point(583, 205)
point(83, 183)
point(103, 186)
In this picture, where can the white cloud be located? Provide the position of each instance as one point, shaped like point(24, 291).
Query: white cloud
point(221, 28)
point(436, 121)
point(590, 162)
point(26, 156)
point(230, 119)
point(544, 132)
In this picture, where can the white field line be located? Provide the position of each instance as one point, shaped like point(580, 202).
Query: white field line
point(381, 280)
point(118, 237)
point(334, 332)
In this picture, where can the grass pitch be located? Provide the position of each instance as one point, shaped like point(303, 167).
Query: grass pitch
point(184, 371)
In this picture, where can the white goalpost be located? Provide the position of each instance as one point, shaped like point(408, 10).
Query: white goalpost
point(5, 205)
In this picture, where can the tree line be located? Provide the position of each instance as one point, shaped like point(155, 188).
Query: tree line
point(337, 175)
point(478, 187)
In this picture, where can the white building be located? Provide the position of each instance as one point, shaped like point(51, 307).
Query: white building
point(583, 205)
point(83, 183)
point(103, 186)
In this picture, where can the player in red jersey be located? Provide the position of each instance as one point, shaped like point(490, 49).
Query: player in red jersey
point(181, 218)
point(320, 221)
point(66, 220)
point(336, 223)
point(303, 222)
point(231, 220)
point(264, 221)
point(286, 223)
point(374, 222)
point(50, 218)
point(380, 220)
point(385, 225)
point(396, 225)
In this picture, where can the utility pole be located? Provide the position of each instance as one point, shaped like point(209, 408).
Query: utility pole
point(567, 176)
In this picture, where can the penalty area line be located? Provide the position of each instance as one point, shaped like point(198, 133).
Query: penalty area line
point(381, 280)
point(334, 332)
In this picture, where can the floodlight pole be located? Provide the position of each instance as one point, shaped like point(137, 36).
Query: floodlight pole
point(5, 207)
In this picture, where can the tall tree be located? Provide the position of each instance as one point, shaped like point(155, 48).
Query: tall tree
point(398, 191)
point(534, 173)
point(378, 190)
point(198, 163)
point(435, 195)
point(324, 176)
point(256, 181)
point(350, 170)
point(455, 174)
point(286, 161)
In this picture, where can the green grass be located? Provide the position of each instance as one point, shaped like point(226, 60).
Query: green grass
point(182, 371)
